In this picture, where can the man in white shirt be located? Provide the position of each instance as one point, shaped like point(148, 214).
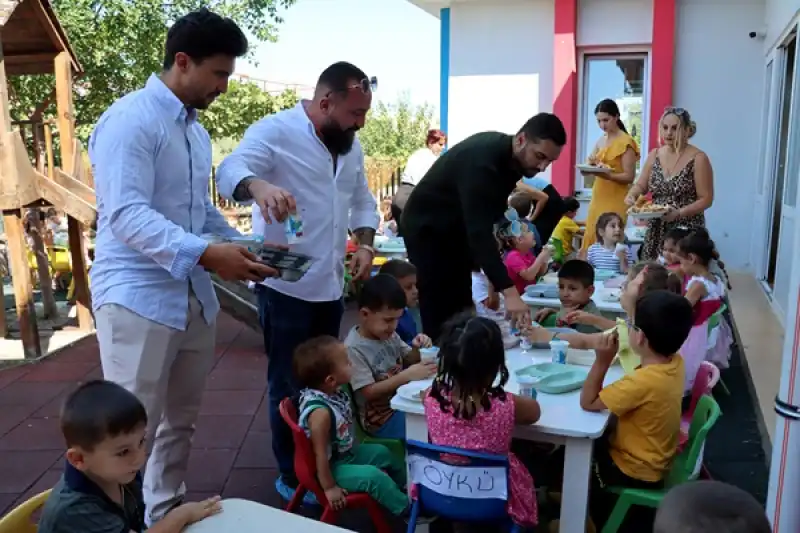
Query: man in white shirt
point(154, 303)
point(306, 160)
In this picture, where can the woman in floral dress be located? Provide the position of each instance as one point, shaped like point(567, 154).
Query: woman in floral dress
point(677, 174)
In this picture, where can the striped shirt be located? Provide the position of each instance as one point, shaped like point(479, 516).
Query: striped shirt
point(604, 259)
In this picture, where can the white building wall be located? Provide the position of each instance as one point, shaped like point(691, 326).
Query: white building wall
point(719, 78)
point(779, 14)
point(501, 65)
point(614, 22)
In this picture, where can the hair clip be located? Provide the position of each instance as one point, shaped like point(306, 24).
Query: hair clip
point(511, 226)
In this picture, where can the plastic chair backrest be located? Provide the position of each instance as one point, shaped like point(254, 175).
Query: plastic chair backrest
point(688, 463)
point(18, 520)
point(713, 320)
point(713, 377)
point(458, 484)
point(305, 465)
point(702, 385)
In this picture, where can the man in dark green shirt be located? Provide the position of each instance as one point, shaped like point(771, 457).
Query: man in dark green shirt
point(448, 220)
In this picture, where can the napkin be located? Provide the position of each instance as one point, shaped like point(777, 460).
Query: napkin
point(627, 357)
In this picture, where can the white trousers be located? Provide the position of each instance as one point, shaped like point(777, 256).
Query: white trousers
point(166, 369)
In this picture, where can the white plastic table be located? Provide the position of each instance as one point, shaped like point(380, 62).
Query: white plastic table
point(245, 516)
point(563, 421)
point(599, 298)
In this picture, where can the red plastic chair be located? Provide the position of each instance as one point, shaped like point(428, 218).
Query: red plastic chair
point(704, 382)
point(306, 470)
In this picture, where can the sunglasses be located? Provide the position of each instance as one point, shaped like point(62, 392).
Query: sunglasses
point(366, 86)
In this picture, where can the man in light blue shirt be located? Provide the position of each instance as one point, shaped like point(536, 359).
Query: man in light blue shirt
point(154, 303)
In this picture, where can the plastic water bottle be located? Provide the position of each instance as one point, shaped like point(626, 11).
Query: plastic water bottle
point(293, 228)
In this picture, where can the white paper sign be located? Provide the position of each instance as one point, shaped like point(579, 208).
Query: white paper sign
point(475, 482)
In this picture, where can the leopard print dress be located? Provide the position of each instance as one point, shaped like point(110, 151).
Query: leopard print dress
point(677, 191)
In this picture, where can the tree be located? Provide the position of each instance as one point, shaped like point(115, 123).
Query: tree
point(394, 131)
point(121, 42)
point(243, 104)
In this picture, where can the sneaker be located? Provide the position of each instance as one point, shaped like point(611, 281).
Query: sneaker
point(422, 518)
point(286, 488)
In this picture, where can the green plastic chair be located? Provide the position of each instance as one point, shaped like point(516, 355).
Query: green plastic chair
point(713, 322)
point(558, 253)
point(685, 468)
point(396, 447)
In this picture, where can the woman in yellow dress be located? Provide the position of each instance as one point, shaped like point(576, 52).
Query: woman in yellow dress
point(618, 151)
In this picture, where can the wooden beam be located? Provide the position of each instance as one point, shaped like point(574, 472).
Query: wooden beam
point(66, 131)
point(12, 222)
point(58, 38)
point(26, 59)
point(75, 187)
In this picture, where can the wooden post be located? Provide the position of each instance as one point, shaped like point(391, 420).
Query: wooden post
point(38, 240)
point(48, 148)
point(17, 253)
point(66, 131)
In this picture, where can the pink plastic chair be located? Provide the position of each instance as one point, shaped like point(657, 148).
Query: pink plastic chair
point(705, 380)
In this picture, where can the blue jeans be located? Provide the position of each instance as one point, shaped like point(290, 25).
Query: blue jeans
point(287, 322)
point(394, 428)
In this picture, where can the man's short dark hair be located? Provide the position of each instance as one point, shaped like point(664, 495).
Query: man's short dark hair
point(545, 127)
point(710, 507)
point(665, 318)
point(382, 292)
point(571, 204)
point(202, 34)
point(398, 269)
point(99, 410)
point(339, 76)
point(312, 361)
point(577, 270)
point(521, 203)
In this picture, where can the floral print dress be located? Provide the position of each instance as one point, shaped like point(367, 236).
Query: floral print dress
point(677, 191)
point(488, 432)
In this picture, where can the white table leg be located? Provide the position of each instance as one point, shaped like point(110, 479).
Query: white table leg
point(416, 429)
point(575, 487)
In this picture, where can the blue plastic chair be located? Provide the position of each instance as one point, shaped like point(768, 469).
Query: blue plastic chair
point(429, 466)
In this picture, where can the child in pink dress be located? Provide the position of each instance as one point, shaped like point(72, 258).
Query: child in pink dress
point(706, 293)
point(517, 243)
point(464, 409)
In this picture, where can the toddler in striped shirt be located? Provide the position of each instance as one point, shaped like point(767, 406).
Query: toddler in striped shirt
point(610, 251)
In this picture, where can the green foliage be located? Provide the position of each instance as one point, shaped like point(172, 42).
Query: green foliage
point(394, 131)
point(121, 42)
point(243, 104)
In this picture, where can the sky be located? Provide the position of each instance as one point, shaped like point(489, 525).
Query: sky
point(391, 39)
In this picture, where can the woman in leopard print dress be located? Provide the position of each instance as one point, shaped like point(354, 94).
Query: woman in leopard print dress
point(676, 174)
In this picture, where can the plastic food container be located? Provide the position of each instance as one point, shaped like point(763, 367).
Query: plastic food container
point(558, 351)
point(428, 355)
point(527, 385)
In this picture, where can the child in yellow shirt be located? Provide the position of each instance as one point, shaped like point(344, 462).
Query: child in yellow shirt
point(638, 452)
point(567, 228)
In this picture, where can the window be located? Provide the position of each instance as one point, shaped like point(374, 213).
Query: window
point(623, 78)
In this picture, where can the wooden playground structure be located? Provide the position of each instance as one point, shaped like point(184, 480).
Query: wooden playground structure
point(32, 41)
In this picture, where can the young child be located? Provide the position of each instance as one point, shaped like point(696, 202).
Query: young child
point(406, 275)
point(647, 402)
point(465, 410)
point(523, 205)
point(388, 225)
point(706, 293)
point(489, 304)
point(101, 488)
point(710, 507)
point(575, 289)
point(567, 228)
point(669, 248)
point(524, 267)
point(322, 367)
point(382, 362)
point(610, 251)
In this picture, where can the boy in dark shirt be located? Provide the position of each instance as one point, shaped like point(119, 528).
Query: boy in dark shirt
point(406, 275)
point(101, 488)
point(449, 218)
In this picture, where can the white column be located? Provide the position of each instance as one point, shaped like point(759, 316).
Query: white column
point(784, 476)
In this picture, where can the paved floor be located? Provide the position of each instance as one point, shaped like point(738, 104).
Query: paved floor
point(231, 452)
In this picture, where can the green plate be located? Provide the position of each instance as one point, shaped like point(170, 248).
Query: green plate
point(542, 370)
point(561, 382)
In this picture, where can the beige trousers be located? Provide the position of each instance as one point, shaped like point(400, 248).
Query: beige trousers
point(166, 369)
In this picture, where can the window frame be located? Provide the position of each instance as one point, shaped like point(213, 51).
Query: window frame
point(585, 55)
